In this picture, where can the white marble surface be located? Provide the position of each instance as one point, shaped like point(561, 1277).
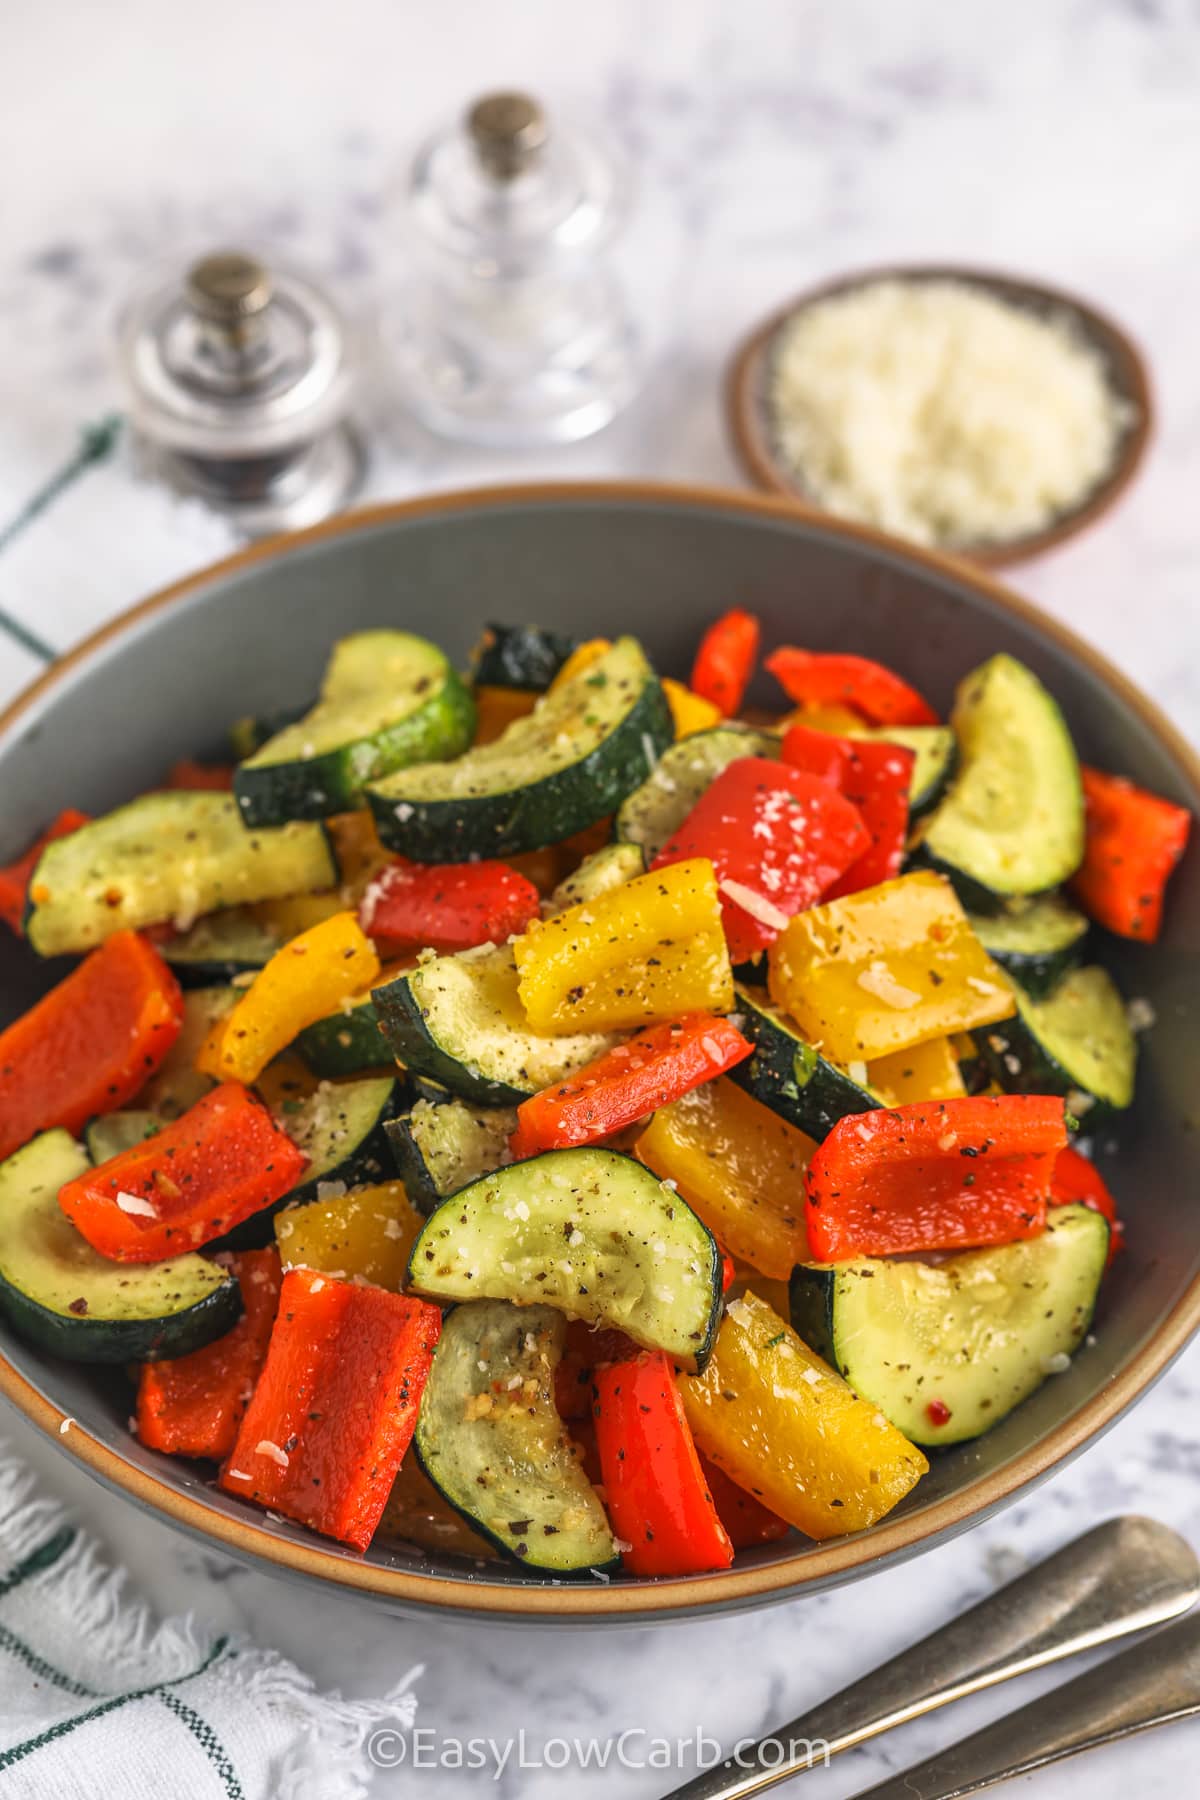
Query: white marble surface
point(776, 142)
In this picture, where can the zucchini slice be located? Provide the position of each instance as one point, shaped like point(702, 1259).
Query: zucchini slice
point(177, 1083)
point(63, 1296)
point(656, 809)
point(440, 1148)
point(388, 699)
point(345, 1043)
point(341, 1128)
point(113, 1132)
point(976, 1333)
point(589, 1231)
point(250, 733)
point(790, 1075)
point(1036, 944)
point(597, 874)
point(220, 946)
point(1012, 822)
point(459, 1021)
point(519, 656)
point(172, 855)
point(490, 1439)
point(1078, 1043)
point(568, 763)
point(935, 748)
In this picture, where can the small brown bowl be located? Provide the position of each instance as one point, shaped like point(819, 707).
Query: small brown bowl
point(750, 424)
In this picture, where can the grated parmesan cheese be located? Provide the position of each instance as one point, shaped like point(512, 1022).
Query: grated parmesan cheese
point(941, 412)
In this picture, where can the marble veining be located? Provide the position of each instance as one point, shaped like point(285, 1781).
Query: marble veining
point(773, 143)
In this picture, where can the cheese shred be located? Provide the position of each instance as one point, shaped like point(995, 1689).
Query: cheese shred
point(942, 412)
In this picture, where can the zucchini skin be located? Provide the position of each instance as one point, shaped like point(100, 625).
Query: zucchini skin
point(419, 1178)
point(1039, 972)
point(403, 1026)
point(347, 1043)
point(120, 1341)
point(1037, 1071)
point(248, 734)
point(520, 656)
point(412, 1168)
point(318, 786)
point(974, 896)
point(544, 811)
point(790, 1076)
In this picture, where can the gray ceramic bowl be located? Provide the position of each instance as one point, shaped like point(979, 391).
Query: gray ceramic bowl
point(253, 634)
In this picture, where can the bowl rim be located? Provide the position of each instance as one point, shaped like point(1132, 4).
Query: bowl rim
point(829, 1563)
point(750, 442)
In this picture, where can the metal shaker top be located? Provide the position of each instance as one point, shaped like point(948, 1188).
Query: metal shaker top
point(234, 360)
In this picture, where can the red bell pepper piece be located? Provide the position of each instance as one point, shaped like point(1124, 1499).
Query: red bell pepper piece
point(193, 1180)
point(584, 1350)
point(874, 776)
point(654, 1487)
point(1134, 840)
point(336, 1404)
point(193, 1405)
point(211, 777)
point(778, 839)
point(648, 1070)
point(938, 1175)
point(90, 1043)
point(725, 660)
point(1078, 1181)
point(447, 906)
point(745, 1518)
point(14, 879)
point(880, 695)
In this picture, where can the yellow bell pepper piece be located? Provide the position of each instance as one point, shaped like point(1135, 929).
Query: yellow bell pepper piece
point(581, 658)
point(773, 1289)
point(691, 712)
point(923, 1072)
point(287, 918)
point(782, 1423)
point(497, 707)
point(368, 1231)
point(837, 719)
point(302, 983)
point(886, 968)
point(739, 1166)
point(650, 950)
point(360, 855)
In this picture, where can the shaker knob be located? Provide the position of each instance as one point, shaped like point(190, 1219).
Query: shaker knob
point(240, 385)
point(508, 132)
point(228, 287)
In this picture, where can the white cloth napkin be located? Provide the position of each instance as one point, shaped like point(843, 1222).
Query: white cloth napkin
point(98, 1698)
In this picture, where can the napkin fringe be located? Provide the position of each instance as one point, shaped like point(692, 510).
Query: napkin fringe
point(330, 1754)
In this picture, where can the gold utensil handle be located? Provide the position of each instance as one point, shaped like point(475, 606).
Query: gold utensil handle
point(1149, 1684)
point(1126, 1575)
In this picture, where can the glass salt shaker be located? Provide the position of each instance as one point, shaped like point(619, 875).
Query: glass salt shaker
point(240, 381)
point(512, 328)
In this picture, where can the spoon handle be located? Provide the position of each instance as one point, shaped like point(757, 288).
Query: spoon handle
point(1122, 1576)
point(1149, 1684)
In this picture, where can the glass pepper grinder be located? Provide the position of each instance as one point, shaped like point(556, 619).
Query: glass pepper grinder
point(240, 381)
point(512, 328)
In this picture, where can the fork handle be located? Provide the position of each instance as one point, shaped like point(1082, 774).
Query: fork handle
point(1151, 1683)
